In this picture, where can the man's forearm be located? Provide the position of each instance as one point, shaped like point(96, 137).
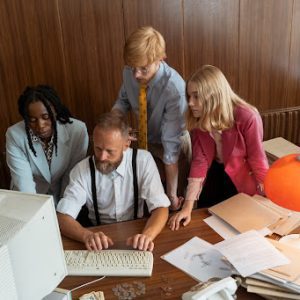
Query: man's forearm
point(70, 228)
point(172, 179)
point(156, 222)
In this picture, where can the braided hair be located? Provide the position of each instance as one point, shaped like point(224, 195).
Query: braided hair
point(49, 97)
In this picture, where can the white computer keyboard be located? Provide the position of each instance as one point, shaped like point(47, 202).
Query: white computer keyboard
point(109, 263)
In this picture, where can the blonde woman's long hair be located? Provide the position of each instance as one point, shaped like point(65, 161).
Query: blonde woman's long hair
point(217, 101)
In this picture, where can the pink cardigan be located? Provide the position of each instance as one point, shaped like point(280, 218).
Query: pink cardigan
point(244, 158)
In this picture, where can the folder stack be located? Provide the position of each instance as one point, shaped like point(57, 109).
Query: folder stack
point(279, 147)
point(289, 219)
point(268, 290)
point(281, 282)
point(244, 213)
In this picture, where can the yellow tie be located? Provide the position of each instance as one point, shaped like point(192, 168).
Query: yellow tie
point(143, 118)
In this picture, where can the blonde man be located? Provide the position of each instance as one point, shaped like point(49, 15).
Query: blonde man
point(227, 133)
point(144, 55)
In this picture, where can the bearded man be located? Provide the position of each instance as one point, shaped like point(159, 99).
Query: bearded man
point(104, 183)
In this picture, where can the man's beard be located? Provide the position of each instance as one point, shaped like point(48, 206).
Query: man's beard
point(107, 167)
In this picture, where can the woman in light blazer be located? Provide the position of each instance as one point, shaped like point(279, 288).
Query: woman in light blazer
point(43, 148)
point(227, 152)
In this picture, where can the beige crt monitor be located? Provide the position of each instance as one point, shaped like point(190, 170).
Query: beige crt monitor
point(30, 246)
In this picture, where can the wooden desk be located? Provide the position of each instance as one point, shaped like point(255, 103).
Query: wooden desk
point(164, 274)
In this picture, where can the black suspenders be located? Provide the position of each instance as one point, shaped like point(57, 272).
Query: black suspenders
point(94, 194)
point(135, 186)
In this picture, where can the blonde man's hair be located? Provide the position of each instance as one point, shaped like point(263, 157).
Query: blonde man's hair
point(216, 98)
point(143, 47)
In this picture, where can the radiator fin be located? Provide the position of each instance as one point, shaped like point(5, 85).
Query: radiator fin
point(282, 122)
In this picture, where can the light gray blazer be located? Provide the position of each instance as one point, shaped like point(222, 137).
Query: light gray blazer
point(31, 173)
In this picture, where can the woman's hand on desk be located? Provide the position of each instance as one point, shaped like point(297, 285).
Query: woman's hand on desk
point(183, 215)
point(95, 241)
point(141, 242)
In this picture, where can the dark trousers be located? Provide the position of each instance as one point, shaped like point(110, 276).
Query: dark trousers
point(217, 186)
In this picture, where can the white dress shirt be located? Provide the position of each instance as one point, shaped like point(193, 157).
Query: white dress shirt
point(217, 136)
point(115, 193)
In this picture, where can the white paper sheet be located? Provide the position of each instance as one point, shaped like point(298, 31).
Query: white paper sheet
point(225, 230)
point(221, 227)
point(249, 253)
point(199, 259)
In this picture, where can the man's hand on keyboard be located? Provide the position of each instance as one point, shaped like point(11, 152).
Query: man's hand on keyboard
point(140, 242)
point(95, 241)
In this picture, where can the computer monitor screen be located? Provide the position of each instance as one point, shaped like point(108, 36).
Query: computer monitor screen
point(32, 261)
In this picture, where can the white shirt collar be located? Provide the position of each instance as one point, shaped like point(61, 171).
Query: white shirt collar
point(121, 169)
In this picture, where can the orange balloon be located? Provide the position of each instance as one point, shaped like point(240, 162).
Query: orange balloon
point(282, 182)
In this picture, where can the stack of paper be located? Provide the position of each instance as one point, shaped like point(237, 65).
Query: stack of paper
point(245, 254)
point(289, 221)
point(284, 280)
point(280, 147)
point(268, 290)
point(275, 266)
point(290, 272)
point(244, 213)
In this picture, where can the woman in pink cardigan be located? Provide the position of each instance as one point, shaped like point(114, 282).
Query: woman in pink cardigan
point(227, 152)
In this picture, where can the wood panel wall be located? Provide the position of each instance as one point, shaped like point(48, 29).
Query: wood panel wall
point(264, 70)
point(77, 46)
point(211, 36)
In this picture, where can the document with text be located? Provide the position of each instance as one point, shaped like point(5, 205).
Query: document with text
point(250, 252)
point(243, 254)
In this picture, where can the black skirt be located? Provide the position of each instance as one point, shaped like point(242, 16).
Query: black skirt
point(217, 187)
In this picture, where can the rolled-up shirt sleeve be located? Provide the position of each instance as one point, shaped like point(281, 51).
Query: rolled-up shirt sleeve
point(150, 184)
point(75, 195)
point(194, 188)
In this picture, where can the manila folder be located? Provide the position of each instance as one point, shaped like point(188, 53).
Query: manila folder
point(243, 213)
